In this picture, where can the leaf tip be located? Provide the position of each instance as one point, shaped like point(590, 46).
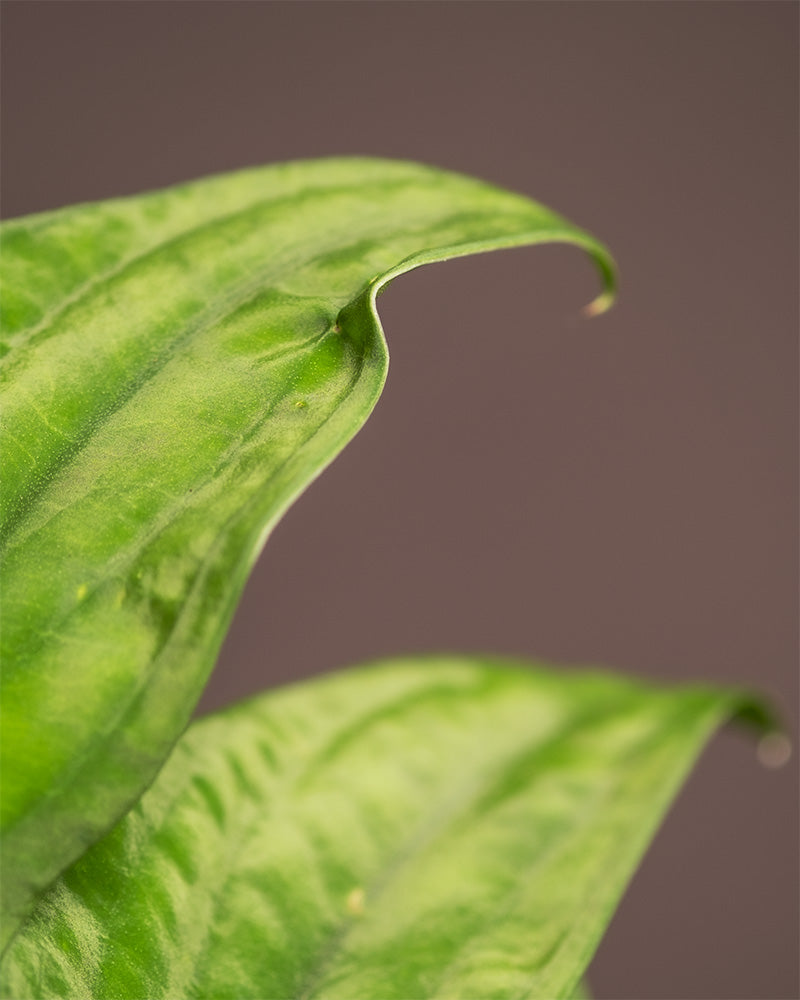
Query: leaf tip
point(601, 304)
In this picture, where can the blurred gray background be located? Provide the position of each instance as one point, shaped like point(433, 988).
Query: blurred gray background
point(621, 491)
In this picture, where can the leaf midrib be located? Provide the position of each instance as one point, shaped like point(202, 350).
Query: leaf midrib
point(470, 791)
point(128, 709)
point(428, 829)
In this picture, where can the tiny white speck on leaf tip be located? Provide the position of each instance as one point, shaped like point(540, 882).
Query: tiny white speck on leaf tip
point(774, 750)
point(599, 305)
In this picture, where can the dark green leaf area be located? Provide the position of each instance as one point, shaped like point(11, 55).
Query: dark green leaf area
point(435, 828)
point(178, 367)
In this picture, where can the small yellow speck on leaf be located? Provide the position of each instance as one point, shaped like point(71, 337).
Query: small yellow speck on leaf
point(355, 901)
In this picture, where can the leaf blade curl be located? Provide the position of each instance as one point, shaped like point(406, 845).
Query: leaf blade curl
point(177, 368)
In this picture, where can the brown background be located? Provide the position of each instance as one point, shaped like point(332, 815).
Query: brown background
point(621, 491)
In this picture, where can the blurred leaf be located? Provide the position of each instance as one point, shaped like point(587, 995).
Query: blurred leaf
point(178, 367)
point(440, 827)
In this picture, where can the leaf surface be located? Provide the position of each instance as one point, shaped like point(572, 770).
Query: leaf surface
point(177, 368)
point(436, 828)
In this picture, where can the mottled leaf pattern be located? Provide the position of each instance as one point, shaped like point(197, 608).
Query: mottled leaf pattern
point(438, 828)
point(176, 368)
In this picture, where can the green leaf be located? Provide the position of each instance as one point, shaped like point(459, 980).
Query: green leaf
point(177, 368)
point(433, 828)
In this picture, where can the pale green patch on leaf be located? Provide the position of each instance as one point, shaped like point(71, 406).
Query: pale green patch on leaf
point(177, 367)
point(435, 828)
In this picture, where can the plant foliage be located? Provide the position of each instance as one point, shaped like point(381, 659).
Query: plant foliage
point(176, 368)
point(432, 828)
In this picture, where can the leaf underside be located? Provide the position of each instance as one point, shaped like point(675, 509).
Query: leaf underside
point(176, 368)
point(439, 828)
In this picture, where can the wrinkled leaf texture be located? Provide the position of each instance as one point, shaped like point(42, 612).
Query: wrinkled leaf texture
point(176, 368)
point(440, 828)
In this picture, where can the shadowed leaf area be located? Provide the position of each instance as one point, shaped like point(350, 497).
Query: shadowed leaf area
point(435, 828)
